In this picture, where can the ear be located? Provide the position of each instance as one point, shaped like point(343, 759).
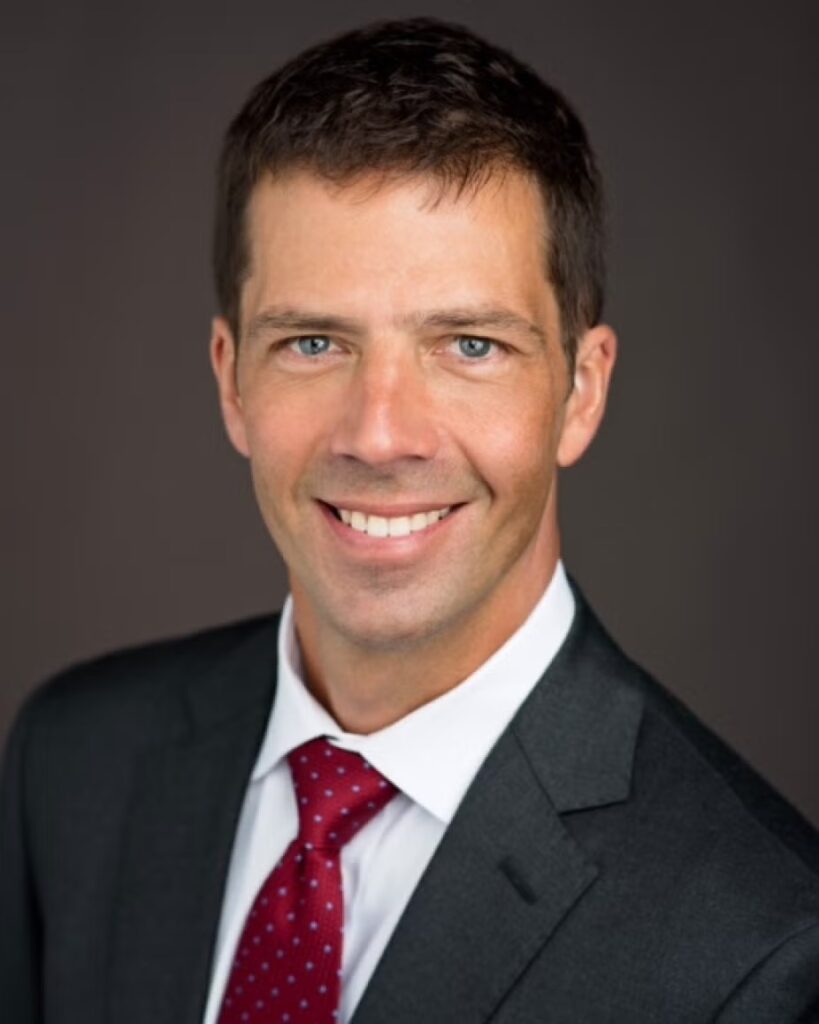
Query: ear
point(594, 363)
point(223, 356)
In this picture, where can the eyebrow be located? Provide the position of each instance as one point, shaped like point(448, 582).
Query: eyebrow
point(480, 317)
point(298, 320)
point(460, 318)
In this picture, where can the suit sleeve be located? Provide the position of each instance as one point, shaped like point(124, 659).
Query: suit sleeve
point(783, 988)
point(19, 919)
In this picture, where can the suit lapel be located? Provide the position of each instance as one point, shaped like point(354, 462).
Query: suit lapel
point(504, 875)
point(186, 802)
point(507, 870)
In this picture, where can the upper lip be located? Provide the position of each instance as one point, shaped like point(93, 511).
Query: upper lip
point(393, 511)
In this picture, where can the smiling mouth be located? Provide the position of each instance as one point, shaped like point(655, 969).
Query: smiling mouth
point(390, 526)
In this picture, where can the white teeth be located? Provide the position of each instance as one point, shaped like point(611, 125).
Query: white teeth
point(400, 526)
point(378, 526)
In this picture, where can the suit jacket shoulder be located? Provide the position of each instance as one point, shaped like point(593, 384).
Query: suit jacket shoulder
point(747, 899)
point(122, 756)
point(756, 809)
point(703, 854)
point(136, 687)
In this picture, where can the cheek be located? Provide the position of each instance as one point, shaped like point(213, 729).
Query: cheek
point(280, 435)
point(510, 441)
point(280, 411)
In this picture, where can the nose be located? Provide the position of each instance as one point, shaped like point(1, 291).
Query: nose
point(388, 414)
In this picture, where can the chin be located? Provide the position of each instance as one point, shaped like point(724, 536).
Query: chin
point(378, 627)
point(395, 635)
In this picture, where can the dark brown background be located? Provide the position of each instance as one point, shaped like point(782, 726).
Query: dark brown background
point(691, 525)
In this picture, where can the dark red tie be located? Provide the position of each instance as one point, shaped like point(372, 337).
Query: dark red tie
point(287, 968)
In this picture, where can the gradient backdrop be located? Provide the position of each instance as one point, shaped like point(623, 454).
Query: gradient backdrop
point(691, 524)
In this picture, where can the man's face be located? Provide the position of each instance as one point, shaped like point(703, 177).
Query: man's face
point(400, 359)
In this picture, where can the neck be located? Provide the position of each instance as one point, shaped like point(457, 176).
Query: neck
point(348, 678)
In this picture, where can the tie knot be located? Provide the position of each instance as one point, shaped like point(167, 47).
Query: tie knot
point(337, 793)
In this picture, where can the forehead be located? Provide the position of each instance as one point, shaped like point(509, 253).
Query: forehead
point(385, 244)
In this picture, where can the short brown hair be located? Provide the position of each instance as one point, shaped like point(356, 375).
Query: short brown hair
point(418, 96)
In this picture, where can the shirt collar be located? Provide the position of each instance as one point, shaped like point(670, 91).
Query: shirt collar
point(433, 753)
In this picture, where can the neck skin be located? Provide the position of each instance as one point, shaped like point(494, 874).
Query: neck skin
point(348, 680)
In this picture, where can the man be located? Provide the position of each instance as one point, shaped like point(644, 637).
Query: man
point(449, 796)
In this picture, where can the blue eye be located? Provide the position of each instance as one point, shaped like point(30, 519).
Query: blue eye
point(312, 345)
point(475, 348)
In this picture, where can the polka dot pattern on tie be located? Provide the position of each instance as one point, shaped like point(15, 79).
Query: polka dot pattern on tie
point(287, 968)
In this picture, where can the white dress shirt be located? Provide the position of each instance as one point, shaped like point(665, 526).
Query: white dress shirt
point(431, 755)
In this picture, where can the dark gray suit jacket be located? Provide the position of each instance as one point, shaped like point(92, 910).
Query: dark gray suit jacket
point(612, 862)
